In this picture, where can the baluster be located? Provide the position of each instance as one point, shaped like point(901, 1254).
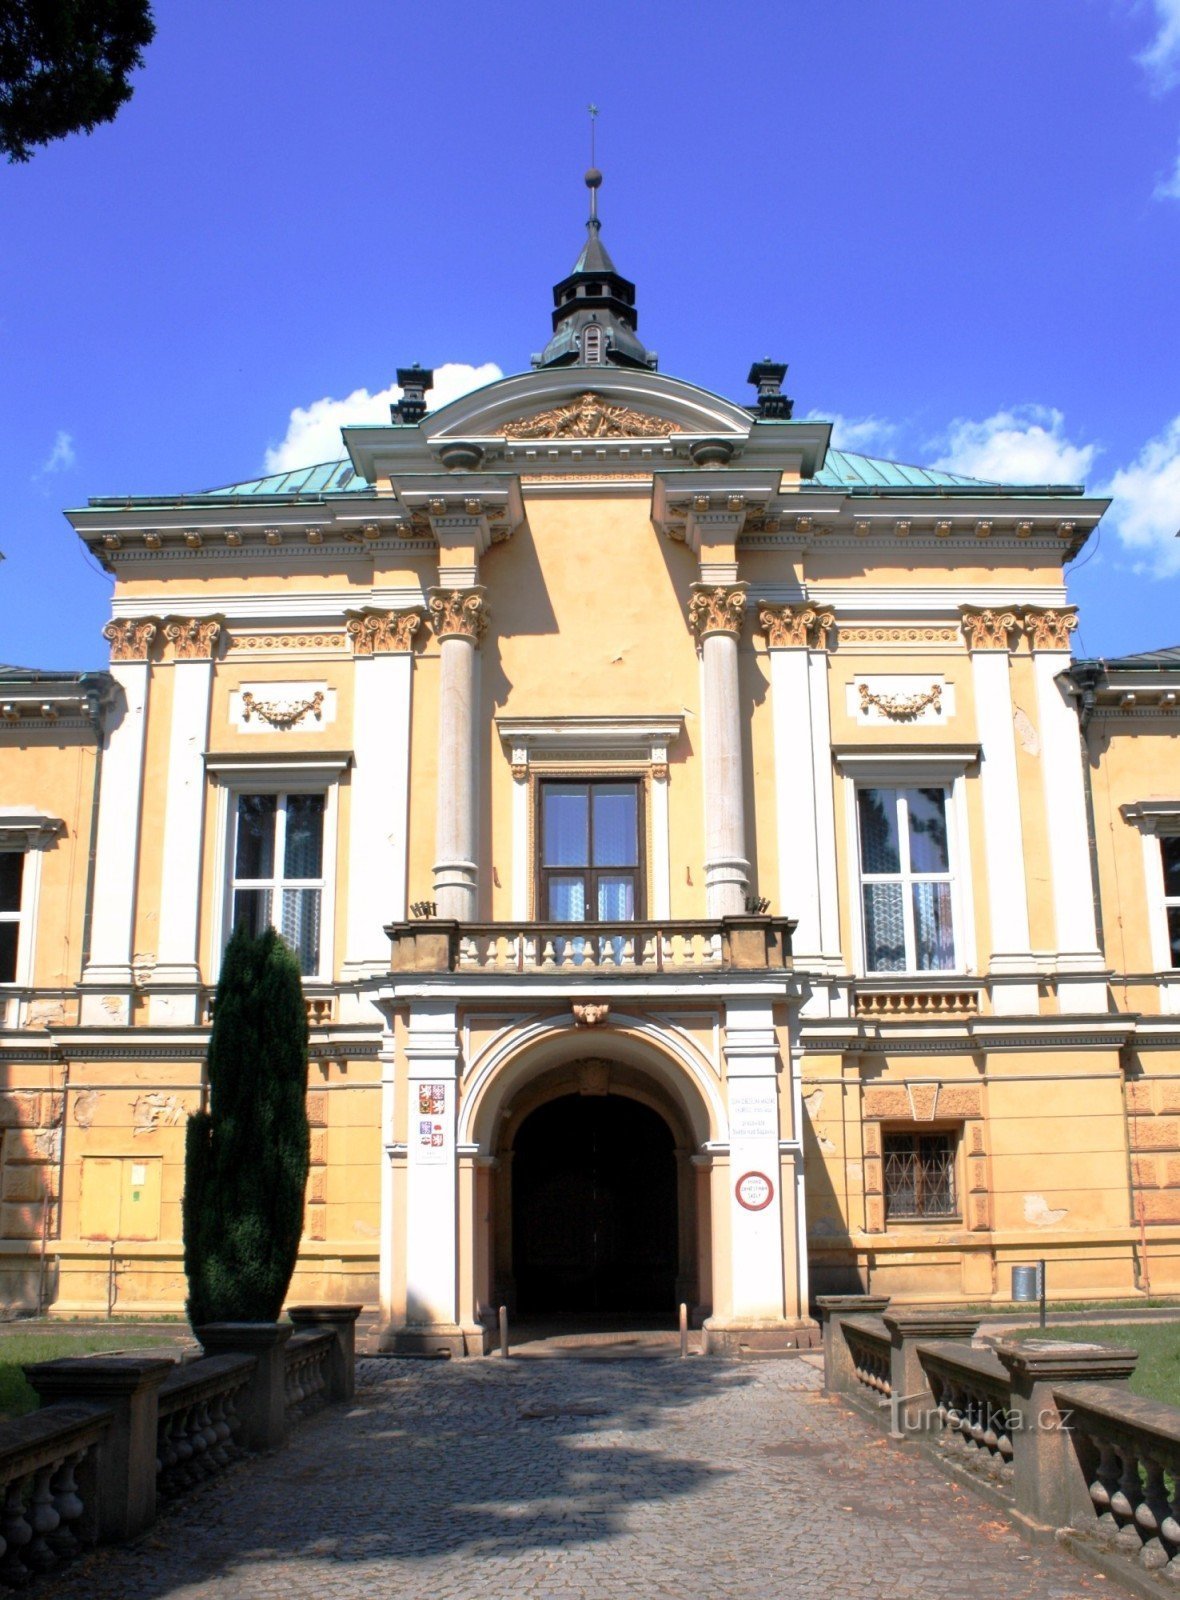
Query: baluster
point(1004, 1435)
point(1150, 1515)
point(203, 1437)
point(182, 1476)
point(989, 1439)
point(1106, 1479)
point(17, 1534)
point(233, 1421)
point(218, 1450)
point(67, 1502)
point(43, 1520)
point(550, 950)
point(1125, 1500)
point(954, 1413)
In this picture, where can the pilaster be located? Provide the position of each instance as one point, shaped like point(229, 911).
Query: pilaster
point(460, 619)
point(383, 643)
point(715, 614)
point(1081, 979)
point(106, 978)
point(989, 636)
point(174, 985)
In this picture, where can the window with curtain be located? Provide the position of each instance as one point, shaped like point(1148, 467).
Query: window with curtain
point(907, 887)
point(1170, 853)
point(278, 880)
point(12, 869)
point(589, 852)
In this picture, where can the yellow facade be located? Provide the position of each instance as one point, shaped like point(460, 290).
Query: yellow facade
point(828, 690)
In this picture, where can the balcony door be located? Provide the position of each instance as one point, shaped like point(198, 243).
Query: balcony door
point(590, 852)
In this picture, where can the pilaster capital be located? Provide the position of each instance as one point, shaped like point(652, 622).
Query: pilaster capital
point(1050, 630)
point(988, 630)
point(719, 609)
point(795, 627)
point(459, 612)
point(131, 640)
point(193, 638)
point(376, 632)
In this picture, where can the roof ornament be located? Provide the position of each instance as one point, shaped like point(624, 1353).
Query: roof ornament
point(414, 383)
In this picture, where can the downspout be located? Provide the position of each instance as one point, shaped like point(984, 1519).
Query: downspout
point(92, 856)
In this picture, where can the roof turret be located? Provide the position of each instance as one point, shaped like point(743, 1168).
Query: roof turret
point(594, 315)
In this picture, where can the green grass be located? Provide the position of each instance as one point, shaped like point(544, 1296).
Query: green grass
point(21, 1349)
point(1157, 1377)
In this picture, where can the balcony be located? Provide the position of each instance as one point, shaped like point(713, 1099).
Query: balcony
point(728, 944)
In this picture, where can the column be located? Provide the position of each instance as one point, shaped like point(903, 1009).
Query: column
point(382, 643)
point(796, 638)
point(988, 635)
point(106, 978)
point(1081, 982)
point(431, 1215)
point(175, 980)
point(715, 615)
point(459, 617)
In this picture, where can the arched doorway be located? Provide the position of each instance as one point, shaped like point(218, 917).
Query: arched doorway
point(595, 1209)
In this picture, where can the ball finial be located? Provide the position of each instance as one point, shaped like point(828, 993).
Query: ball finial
point(593, 178)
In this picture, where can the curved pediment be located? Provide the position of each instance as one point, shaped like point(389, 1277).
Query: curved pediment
point(587, 403)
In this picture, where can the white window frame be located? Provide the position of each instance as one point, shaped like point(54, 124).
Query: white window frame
point(1157, 820)
point(920, 769)
point(27, 832)
point(239, 777)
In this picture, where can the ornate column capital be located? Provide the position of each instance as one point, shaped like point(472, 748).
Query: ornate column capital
point(382, 632)
point(795, 627)
point(193, 638)
point(719, 609)
point(131, 640)
point(1050, 630)
point(988, 630)
point(461, 613)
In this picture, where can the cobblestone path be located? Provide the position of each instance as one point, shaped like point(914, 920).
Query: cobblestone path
point(607, 1480)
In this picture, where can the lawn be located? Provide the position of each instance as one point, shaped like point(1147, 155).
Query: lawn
point(21, 1349)
point(1157, 1377)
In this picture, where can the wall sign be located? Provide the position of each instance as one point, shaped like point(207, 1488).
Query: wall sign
point(754, 1191)
point(431, 1131)
point(753, 1108)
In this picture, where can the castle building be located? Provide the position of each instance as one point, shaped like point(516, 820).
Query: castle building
point(714, 880)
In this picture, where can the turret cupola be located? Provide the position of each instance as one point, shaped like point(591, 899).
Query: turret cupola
point(594, 315)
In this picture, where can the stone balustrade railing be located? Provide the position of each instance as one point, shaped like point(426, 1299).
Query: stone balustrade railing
point(198, 1420)
point(1128, 1451)
point(308, 1356)
point(50, 1488)
point(579, 948)
point(971, 1395)
point(115, 1434)
point(1046, 1429)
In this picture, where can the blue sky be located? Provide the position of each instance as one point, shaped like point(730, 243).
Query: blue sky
point(959, 223)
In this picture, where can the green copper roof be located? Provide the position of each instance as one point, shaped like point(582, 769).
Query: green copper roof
point(330, 477)
point(842, 469)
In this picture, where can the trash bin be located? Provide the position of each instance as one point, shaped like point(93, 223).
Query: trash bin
point(1025, 1285)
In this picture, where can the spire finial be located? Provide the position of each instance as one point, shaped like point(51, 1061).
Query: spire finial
point(593, 176)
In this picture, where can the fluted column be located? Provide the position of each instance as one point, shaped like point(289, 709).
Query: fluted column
point(715, 614)
point(459, 617)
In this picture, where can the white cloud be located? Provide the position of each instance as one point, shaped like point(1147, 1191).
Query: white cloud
point(856, 433)
point(1162, 56)
point(1146, 502)
point(1024, 445)
point(313, 432)
point(1169, 188)
point(61, 458)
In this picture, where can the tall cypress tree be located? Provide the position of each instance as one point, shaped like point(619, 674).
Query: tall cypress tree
point(246, 1158)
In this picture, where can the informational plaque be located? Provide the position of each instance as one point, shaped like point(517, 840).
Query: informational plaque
point(431, 1124)
point(754, 1191)
point(753, 1108)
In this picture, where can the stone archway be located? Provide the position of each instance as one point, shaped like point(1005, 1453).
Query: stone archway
point(596, 1205)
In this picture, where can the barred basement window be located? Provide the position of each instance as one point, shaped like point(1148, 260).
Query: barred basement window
point(920, 1175)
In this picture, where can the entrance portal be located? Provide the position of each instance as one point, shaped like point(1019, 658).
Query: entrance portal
point(594, 1212)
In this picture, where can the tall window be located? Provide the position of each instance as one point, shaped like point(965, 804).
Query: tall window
point(589, 856)
point(592, 344)
point(12, 865)
point(919, 1175)
point(279, 870)
point(907, 889)
point(1170, 851)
